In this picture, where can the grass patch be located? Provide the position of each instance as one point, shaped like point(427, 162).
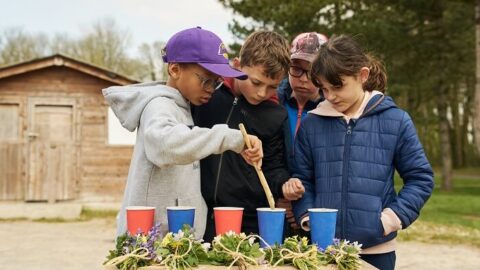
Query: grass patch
point(12, 219)
point(472, 171)
point(428, 232)
point(54, 220)
point(458, 207)
point(88, 213)
point(450, 217)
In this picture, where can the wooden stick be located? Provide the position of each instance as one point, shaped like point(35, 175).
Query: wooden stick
point(260, 174)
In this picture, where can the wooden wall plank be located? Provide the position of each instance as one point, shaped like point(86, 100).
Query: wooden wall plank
point(100, 170)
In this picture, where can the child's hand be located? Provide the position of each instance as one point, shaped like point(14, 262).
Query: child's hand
point(255, 154)
point(293, 189)
point(284, 203)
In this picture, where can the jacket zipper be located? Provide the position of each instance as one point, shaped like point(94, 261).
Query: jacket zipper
point(346, 154)
point(299, 118)
point(235, 100)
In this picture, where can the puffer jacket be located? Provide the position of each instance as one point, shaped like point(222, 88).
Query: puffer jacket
point(350, 167)
point(295, 116)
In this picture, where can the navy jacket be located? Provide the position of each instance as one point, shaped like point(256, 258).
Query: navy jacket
point(350, 167)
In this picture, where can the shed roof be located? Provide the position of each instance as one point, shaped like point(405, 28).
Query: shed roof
point(60, 60)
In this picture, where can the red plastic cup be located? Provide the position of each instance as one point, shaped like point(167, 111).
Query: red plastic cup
point(228, 219)
point(140, 218)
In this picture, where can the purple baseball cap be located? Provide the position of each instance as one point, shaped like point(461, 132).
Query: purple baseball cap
point(196, 45)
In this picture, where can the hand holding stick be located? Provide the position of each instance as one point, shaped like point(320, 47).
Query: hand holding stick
point(258, 169)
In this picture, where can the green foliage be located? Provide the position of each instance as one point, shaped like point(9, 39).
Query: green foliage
point(235, 249)
point(344, 254)
point(297, 252)
point(129, 252)
point(181, 251)
point(428, 48)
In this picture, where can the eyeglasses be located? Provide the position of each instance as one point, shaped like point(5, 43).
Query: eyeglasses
point(208, 83)
point(298, 72)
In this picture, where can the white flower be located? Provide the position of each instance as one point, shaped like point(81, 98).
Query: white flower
point(230, 233)
point(178, 235)
point(251, 240)
point(206, 246)
point(357, 245)
point(217, 238)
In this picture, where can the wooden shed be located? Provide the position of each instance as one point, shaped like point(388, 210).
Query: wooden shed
point(53, 133)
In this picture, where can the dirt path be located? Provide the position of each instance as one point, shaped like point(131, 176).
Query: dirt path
point(84, 245)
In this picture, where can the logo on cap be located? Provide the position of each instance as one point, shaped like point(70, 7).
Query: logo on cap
point(309, 43)
point(222, 50)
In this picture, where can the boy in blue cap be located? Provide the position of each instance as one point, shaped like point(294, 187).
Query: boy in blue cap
point(165, 169)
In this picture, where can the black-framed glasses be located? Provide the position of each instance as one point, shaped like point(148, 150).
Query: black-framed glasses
point(208, 83)
point(298, 72)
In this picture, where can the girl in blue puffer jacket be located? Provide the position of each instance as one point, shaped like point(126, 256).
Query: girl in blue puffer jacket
point(348, 148)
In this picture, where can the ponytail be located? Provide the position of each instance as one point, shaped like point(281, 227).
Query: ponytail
point(377, 79)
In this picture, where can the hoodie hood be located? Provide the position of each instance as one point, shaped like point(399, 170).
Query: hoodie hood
point(373, 102)
point(284, 91)
point(128, 102)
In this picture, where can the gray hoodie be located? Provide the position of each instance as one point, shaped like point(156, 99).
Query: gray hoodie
point(165, 169)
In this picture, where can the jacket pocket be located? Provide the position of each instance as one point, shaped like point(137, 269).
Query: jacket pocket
point(380, 230)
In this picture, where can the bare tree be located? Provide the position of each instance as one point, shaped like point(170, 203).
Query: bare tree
point(16, 46)
point(151, 55)
point(104, 45)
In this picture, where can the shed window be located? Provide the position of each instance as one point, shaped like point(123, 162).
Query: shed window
point(117, 134)
point(9, 128)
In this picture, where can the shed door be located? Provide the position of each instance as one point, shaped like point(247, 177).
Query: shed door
point(11, 179)
point(51, 151)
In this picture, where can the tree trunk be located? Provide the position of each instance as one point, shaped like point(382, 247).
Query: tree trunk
point(456, 128)
point(476, 106)
point(445, 145)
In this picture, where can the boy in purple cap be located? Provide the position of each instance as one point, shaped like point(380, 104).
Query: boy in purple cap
point(165, 169)
point(298, 95)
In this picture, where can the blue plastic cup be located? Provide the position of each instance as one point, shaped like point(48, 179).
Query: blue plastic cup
point(270, 224)
point(322, 224)
point(179, 216)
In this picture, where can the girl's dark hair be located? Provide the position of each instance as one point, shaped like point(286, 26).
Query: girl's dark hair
point(343, 56)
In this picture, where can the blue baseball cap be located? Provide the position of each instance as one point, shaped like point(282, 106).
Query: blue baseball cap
point(196, 45)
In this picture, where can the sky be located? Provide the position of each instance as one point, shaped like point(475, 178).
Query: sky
point(146, 20)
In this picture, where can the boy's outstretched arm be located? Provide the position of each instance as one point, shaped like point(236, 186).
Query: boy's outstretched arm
point(254, 155)
point(169, 142)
